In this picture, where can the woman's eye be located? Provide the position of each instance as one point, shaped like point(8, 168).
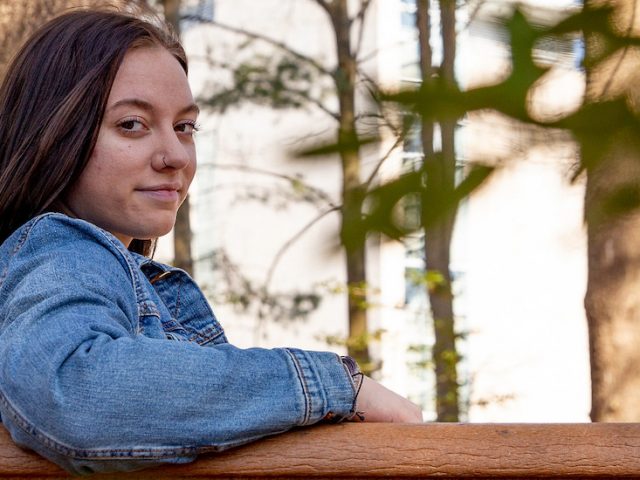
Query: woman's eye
point(132, 125)
point(188, 128)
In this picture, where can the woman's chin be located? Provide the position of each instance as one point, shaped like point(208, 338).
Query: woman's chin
point(158, 229)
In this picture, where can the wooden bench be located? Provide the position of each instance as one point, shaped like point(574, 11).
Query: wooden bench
point(362, 450)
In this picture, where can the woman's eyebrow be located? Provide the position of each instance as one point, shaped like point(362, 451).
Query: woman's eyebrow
point(132, 102)
point(193, 108)
point(144, 105)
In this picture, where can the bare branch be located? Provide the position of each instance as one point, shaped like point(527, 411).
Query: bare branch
point(373, 174)
point(318, 103)
point(325, 5)
point(368, 115)
point(374, 89)
point(289, 178)
point(291, 241)
point(473, 15)
point(364, 5)
point(272, 41)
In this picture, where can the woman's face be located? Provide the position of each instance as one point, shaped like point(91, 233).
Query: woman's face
point(144, 158)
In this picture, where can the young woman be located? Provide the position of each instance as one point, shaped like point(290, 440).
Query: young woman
point(109, 360)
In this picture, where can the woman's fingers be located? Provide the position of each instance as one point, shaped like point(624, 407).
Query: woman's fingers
point(380, 404)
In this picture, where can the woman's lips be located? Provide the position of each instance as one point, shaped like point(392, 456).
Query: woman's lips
point(162, 193)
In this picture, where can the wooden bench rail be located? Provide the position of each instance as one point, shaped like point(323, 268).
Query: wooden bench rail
point(362, 450)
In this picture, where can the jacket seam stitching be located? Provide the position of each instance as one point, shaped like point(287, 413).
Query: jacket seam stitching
point(177, 309)
point(305, 387)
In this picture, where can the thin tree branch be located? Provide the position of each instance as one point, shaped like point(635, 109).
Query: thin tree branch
point(383, 121)
point(293, 240)
point(373, 174)
point(472, 16)
point(318, 103)
point(376, 51)
point(292, 179)
point(364, 5)
point(374, 89)
point(258, 36)
point(325, 5)
point(369, 115)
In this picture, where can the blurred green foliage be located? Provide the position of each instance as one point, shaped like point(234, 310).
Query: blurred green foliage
point(280, 84)
point(286, 81)
point(592, 125)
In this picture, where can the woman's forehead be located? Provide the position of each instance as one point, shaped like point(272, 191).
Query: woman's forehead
point(152, 75)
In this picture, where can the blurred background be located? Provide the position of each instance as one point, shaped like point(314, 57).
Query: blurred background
point(446, 190)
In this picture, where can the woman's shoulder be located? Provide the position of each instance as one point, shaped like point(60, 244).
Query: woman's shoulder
point(58, 225)
point(56, 238)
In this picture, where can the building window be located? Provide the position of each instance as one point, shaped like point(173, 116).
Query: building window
point(194, 12)
point(408, 13)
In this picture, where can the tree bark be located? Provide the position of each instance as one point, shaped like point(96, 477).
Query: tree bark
point(440, 183)
point(352, 190)
point(423, 23)
point(612, 301)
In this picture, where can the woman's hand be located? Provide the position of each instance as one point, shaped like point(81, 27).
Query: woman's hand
point(379, 404)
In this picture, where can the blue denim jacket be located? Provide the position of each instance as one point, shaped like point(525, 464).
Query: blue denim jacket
point(111, 361)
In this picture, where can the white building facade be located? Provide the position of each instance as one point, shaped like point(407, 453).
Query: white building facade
point(519, 247)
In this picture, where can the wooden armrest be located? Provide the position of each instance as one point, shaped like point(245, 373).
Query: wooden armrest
point(369, 450)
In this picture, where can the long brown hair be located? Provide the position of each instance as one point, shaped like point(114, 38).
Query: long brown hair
point(52, 101)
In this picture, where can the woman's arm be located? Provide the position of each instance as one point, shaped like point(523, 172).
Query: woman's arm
point(81, 387)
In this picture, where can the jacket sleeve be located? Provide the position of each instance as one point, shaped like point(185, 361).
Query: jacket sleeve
point(81, 388)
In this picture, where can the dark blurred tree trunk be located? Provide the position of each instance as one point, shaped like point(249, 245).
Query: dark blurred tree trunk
point(352, 190)
point(182, 235)
point(612, 301)
point(19, 18)
point(440, 183)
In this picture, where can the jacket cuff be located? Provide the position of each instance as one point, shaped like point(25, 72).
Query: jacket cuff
point(327, 385)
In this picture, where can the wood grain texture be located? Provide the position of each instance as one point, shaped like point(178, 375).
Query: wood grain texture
point(444, 451)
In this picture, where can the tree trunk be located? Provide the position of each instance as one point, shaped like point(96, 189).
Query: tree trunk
point(352, 193)
point(612, 300)
point(423, 22)
point(182, 235)
point(440, 183)
point(20, 18)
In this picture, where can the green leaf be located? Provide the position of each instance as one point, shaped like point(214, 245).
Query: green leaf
point(330, 148)
point(587, 19)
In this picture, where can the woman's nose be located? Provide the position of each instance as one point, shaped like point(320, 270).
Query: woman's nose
point(173, 153)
